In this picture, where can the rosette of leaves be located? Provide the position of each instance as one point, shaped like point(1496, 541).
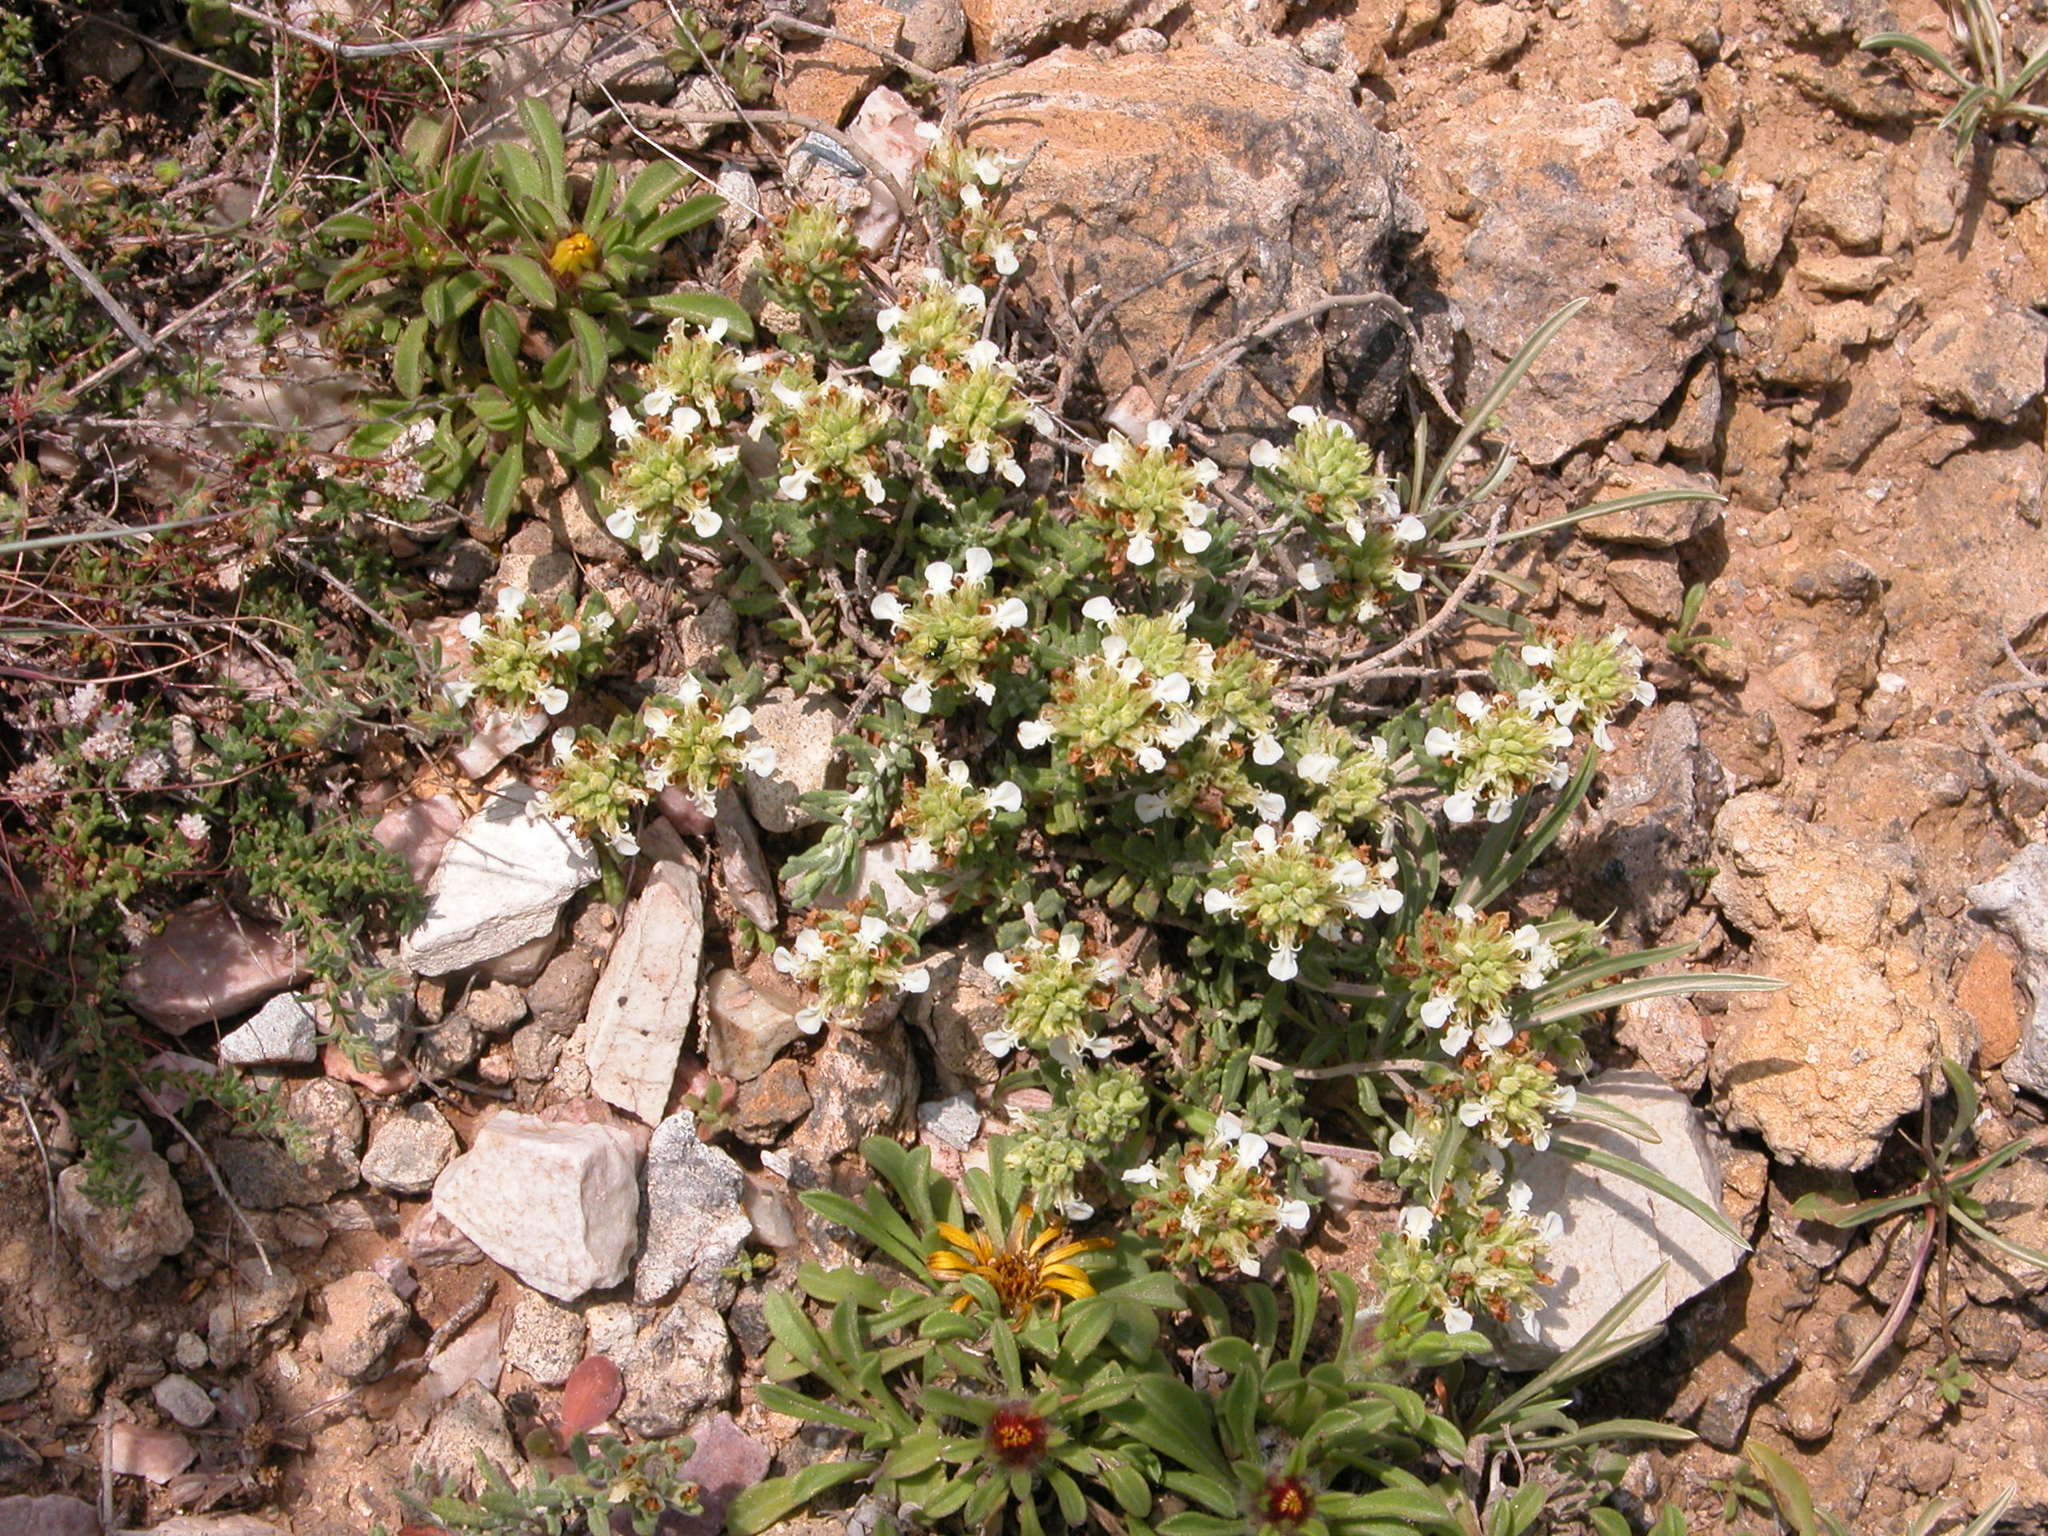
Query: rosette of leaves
point(502, 302)
point(978, 1416)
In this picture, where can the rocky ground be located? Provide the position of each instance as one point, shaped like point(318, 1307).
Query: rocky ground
point(1800, 298)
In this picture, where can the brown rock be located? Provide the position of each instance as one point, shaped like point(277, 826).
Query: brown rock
point(1143, 158)
point(824, 82)
point(206, 962)
point(1984, 990)
point(1547, 201)
point(1002, 27)
point(769, 1106)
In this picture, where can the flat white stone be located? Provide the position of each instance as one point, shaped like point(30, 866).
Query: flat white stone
point(558, 1205)
point(646, 999)
point(501, 884)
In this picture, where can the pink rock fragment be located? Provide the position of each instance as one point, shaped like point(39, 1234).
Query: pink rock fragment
point(419, 831)
point(206, 962)
point(727, 1460)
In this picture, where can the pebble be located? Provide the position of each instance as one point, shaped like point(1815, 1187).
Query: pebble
point(184, 1400)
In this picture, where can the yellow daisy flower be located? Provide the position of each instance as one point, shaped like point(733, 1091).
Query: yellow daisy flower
point(1023, 1273)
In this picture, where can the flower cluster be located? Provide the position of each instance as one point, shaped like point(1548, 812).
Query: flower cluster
point(1349, 781)
point(812, 263)
point(1497, 751)
point(1579, 681)
point(1286, 883)
point(951, 821)
point(966, 412)
point(1146, 498)
point(1100, 1115)
point(527, 656)
point(1057, 987)
point(1126, 705)
point(669, 475)
point(1470, 1256)
point(1213, 1205)
point(1333, 483)
point(691, 740)
point(948, 634)
point(1470, 968)
point(966, 190)
point(600, 783)
point(1511, 1096)
point(835, 439)
point(932, 330)
point(857, 962)
point(695, 366)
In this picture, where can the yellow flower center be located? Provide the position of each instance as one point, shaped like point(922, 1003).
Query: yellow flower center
point(574, 254)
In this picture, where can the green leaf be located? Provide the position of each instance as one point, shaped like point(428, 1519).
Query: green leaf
point(1788, 1489)
point(538, 118)
point(704, 308)
point(1644, 987)
point(408, 358)
point(650, 189)
point(1650, 1179)
point(528, 276)
point(502, 488)
point(760, 1506)
point(593, 351)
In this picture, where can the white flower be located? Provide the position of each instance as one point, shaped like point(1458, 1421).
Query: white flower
point(810, 1020)
point(1141, 550)
point(917, 698)
point(510, 601)
point(889, 319)
point(657, 402)
point(1264, 455)
point(472, 626)
point(999, 966)
point(999, 1043)
point(1407, 580)
point(1437, 1009)
point(791, 487)
point(192, 827)
point(1519, 1196)
point(1266, 750)
point(1173, 688)
point(623, 426)
point(1249, 1265)
point(916, 981)
point(1200, 1177)
point(925, 376)
point(625, 844)
point(564, 640)
point(1150, 807)
point(1112, 455)
point(1293, 1215)
point(1005, 255)
point(1033, 733)
point(888, 607)
point(1305, 416)
point(704, 522)
point(1101, 610)
point(1010, 613)
point(1437, 742)
point(1151, 759)
point(1005, 797)
point(1194, 540)
point(623, 523)
point(1076, 1210)
point(1538, 655)
point(886, 360)
point(1252, 1149)
point(1271, 806)
point(553, 699)
point(1284, 964)
point(1460, 808)
point(460, 691)
point(1457, 1320)
point(758, 759)
point(1417, 1221)
point(1410, 531)
point(1144, 1173)
point(1401, 1145)
point(563, 741)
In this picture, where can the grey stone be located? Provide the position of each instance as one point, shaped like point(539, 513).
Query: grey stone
point(801, 731)
point(408, 1151)
point(281, 1031)
point(863, 1083)
point(459, 567)
point(522, 967)
point(501, 884)
point(264, 1176)
point(433, 1241)
point(676, 1366)
point(470, 1424)
point(749, 882)
point(558, 1205)
point(2015, 901)
point(365, 1317)
point(17, 1459)
point(745, 1028)
point(962, 1004)
point(646, 1002)
point(535, 1050)
point(184, 1400)
point(558, 999)
point(189, 1351)
point(496, 1009)
point(257, 1300)
point(695, 1224)
point(451, 1046)
point(381, 1023)
point(951, 1122)
point(1651, 587)
point(120, 1243)
point(545, 1340)
point(1615, 1232)
point(1663, 789)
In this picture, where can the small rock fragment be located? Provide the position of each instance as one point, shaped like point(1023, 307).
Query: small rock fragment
point(558, 1205)
point(283, 1030)
point(545, 1340)
point(501, 885)
point(365, 1317)
point(2015, 901)
point(695, 1226)
point(206, 962)
point(470, 1424)
point(802, 732)
point(120, 1243)
point(646, 1002)
point(408, 1151)
point(184, 1400)
point(745, 1027)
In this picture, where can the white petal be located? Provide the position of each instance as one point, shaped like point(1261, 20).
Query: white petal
point(1033, 733)
point(553, 700)
point(887, 606)
point(1264, 455)
point(1005, 797)
point(472, 626)
point(1293, 1215)
point(917, 698)
point(1100, 609)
